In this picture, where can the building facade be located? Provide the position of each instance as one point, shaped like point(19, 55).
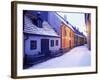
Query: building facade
point(88, 29)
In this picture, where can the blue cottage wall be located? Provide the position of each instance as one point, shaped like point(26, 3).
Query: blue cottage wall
point(54, 21)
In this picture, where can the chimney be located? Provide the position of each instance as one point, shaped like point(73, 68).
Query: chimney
point(39, 20)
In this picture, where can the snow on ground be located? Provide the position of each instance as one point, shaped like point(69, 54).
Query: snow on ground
point(78, 56)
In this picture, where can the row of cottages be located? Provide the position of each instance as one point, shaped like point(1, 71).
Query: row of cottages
point(40, 39)
point(47, 34)
point(88, 29)
point(70, 36)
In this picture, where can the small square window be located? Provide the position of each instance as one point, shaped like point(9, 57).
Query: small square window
point(52, 43)
point(33, 44)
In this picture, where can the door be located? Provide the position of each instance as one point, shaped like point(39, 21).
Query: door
point(70, 43)
point(45, 46)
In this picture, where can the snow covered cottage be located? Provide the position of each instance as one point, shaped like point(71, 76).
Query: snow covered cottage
point(40, 39)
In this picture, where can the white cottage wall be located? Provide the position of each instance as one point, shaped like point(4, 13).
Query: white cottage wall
point(54, 48)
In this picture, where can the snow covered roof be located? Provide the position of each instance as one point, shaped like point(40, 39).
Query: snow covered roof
point(64, 21)
point(30, 28)
point(69, 25)
point(77, 32)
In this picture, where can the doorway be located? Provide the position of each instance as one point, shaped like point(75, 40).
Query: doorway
point(45, 46)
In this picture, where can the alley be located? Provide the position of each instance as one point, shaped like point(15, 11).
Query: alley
point(78, 56)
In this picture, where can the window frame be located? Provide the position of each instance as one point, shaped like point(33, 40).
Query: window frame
point(33, 44)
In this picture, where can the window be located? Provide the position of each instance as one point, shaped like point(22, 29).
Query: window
point(70, 33)
point(52, 43)
point(56, 42)
point(33, 44)
point(65, 33)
